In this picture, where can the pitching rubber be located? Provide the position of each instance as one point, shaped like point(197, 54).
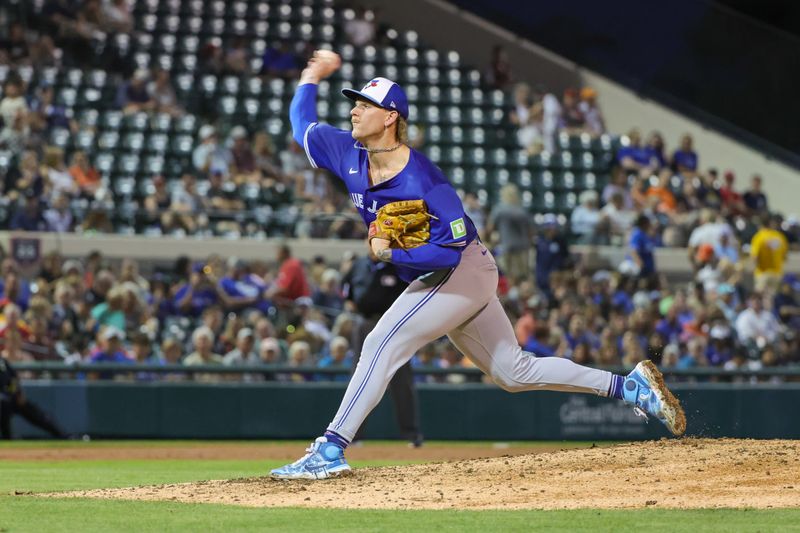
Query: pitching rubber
point(672, 410)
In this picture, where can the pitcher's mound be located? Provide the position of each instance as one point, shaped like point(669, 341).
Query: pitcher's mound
point(684, 473)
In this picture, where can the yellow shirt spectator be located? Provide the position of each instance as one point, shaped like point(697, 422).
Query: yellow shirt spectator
point(768, 249)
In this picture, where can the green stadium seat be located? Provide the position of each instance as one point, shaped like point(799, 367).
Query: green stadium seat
point(85, 140)
point(136, 122)
point(108, 140)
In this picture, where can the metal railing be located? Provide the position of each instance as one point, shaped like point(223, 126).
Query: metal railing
point(49, 368)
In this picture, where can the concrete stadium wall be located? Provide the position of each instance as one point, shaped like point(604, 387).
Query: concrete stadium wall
point(458, 412)
point(167, 249)
point(473, 37)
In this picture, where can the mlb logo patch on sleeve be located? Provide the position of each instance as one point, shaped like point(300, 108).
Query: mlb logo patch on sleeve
point(458, 228)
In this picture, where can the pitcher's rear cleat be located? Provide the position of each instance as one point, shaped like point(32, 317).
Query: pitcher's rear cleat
point(322, 460)
point(645, 390)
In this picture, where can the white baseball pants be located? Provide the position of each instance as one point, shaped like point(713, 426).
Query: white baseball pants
point(462, 304)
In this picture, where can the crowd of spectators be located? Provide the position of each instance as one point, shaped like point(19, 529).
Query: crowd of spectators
point(229, 312)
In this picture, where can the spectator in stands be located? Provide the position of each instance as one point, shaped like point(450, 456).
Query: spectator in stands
point(552, 254)
point(118, 16)
point(551, 116)
point(769, 250)
point(134, 95)
point(513, 227)
point(684, 159)
point(239, 289)
point(661, 195)
point(731, 199)
point(339, 356)
point(291, 283)
point(709, 231)
point(328, 296)
point(695, 354)
point(163, 94)
point(641, 247)
point(498, 74)
point(476, 213)
point(756, 326)
point(727, 248)
point(527, 116)
point(221, 198)
point(594, 122)
point(360, 29)
point(141, 348)
point(44, 53)
point(299, 356)
point(202, 354)
point(157, 203)
point(47, 115)
point(243, 164)
point(59, 216)
point(279, 61)
point(266, 160)
point(14, 288)
point(243, 353)
point(85, 175)
point(58, 175)
point(14, 112)
point(634, 157)
point(199, 293)
point(110, 312)
point(211, 156)
point(91, 21)
point(754, 198)
point(539, 342)
point(14, 48)
point(28, 213)
point(184, 207)
point(585, 220)
point(236, 55)
point(656, 149)
point(786, 305)
point(110, 349)
point(572, 119)
point(617, 217)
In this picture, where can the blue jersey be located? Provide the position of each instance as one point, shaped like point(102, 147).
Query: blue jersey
point(335, 150)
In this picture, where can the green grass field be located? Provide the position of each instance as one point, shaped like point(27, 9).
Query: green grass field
point(30, 513)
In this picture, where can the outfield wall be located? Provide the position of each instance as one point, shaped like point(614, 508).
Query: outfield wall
point(457, 412)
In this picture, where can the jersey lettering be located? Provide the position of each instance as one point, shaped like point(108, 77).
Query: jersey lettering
point(374, 208)
point(358, 200)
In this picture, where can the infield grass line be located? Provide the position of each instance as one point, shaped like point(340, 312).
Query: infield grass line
point(40, 515)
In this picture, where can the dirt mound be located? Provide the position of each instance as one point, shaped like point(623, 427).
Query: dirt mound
point(684, 473)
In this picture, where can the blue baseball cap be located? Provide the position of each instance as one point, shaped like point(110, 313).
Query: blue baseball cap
point(383, 93)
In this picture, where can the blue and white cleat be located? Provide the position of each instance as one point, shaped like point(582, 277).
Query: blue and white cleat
point(322, 460)
point(645, 390)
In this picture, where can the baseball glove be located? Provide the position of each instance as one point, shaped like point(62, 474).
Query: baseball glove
point(405, 224)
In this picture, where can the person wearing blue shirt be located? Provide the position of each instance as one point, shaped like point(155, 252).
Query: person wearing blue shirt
point(684, 160)
point(199, 293)
point(452, 277)
point(239, 289)
point(641, 247)
point(552, 254)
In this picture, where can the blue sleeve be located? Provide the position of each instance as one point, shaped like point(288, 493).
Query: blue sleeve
point(324, 145)
point(449, 228)
point(427, 257)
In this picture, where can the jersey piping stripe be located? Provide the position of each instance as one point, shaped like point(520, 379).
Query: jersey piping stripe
point(305, 145)
point(383, 344)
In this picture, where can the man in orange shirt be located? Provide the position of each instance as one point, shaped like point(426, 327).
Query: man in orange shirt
point(666, 200)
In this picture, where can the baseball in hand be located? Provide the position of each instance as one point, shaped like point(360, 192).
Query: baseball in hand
point(328, 61)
